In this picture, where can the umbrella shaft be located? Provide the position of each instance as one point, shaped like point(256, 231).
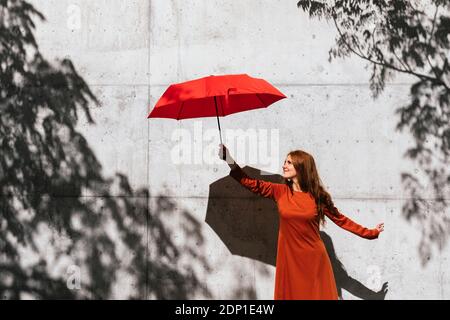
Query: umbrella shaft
point(218, 122)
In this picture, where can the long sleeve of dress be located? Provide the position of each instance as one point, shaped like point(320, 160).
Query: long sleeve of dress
point(349, 225)
point(263, 188)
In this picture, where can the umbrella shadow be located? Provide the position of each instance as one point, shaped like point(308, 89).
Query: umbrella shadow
point(245, 222)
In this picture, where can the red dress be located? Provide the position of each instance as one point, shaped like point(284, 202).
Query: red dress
point(303, 268)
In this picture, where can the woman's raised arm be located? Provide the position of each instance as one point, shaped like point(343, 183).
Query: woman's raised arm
point(263, 188)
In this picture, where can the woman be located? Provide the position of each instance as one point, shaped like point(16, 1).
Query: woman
point(303, 268)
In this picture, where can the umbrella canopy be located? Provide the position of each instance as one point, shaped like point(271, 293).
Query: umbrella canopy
point(215, 96)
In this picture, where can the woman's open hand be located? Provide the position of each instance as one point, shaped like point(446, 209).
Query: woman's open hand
point(380, 227)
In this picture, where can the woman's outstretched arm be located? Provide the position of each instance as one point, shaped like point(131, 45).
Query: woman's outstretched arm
point(349, 225)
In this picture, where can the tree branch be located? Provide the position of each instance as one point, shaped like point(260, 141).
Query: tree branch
point(433, 69)
point(384, 63)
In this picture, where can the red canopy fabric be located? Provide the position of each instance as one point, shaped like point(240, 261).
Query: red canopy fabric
point(227, 94)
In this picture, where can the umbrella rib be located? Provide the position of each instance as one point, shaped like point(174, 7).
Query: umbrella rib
point(179, 112)
point(221, 106)
point(260, 99)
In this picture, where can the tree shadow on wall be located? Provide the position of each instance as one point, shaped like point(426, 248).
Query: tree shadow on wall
point(411, 38)
point(66, 230)
point(248, 226)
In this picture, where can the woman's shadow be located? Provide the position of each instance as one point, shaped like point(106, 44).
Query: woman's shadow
point(248, 225)
point(345, 281)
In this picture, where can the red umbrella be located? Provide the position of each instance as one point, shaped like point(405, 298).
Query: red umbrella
point(215, 96)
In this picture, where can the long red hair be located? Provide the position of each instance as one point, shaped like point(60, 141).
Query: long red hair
point(310, 181)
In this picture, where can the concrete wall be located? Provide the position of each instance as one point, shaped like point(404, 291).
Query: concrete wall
point(130, 51)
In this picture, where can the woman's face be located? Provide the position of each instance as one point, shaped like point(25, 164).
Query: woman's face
point(289, 171)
